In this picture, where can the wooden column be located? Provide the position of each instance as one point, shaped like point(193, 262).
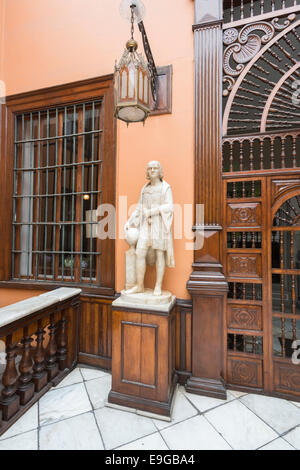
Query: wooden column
point(207, 284)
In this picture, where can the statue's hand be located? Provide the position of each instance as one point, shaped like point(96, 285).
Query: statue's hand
point(146, 213)
point(127, 226)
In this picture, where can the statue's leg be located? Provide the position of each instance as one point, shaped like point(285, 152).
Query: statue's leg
point(140, 271)
point(140, 267)
point(160, 271)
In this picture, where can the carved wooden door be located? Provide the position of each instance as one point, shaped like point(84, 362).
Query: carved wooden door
point(261, 174)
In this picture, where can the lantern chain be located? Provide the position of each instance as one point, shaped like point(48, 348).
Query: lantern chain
point(133, 6)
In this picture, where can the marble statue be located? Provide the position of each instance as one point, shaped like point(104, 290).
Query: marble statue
point(148, 232)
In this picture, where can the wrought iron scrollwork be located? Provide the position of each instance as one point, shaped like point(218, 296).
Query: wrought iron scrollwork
point(151, 63)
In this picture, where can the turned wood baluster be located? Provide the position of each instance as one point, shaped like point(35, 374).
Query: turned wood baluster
point(272, 153)
point(251, 156)
point(62, 341)
point(294, 137)
point(261, 154)
point(241, 155)
point(25, 386)
point(9, 400)
point(231, 155)
point(51, 364)
point(39, 373)
point(282, 152)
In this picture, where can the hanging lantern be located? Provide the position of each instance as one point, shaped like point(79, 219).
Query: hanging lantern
point(132, 83)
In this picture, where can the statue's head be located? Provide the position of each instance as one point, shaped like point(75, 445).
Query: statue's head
point(157, 166)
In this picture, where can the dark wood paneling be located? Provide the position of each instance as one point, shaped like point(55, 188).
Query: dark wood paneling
point(244, 371)
point(95, 330)
point(287, 378)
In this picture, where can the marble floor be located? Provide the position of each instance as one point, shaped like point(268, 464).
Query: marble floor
point(73, 416)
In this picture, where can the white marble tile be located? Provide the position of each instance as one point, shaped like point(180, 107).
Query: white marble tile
point(74, 377)
point(194, 434)
point(152, 442)
point(241, 428)
point(278, 444)
point(293, 437)
point(237, 394)
point(119, 427)
point(297, 403)
point(77, 433)
point(203, 403)
point(26, 441)
point(27, 422)
point(98, 390)
point(64, 403)
point(90, 374)
point(182, 410)
point(277, 413)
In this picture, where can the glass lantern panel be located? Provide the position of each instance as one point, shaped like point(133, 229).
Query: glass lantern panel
point(146, 86)
point(131, 87)
point(131, 114)
point(124, 84)
point(141, 85)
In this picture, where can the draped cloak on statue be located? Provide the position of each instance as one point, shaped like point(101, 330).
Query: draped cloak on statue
point(155, 233)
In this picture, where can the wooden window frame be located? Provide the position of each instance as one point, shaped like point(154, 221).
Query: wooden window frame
point(71, 93)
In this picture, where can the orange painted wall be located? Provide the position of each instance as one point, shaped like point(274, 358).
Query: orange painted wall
point(51, 42)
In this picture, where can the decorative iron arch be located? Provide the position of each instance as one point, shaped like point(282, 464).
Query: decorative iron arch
point(278, 58)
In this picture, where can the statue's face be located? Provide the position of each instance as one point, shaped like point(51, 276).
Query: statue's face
point(153, 170)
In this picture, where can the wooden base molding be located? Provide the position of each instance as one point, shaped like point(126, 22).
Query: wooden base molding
point(143, 359)
point(207, 387)
point(150, 406)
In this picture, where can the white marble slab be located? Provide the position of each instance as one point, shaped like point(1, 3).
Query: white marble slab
point(203, 403)
point(27, 422)
point(152, 442)
point(90, 374)
point(98, 391)
point(278, 444)
point(293, 437)
point(119, 427)
point(78, 433)
point(63, 403)
point(62, 293)
point(277, 413)
point(72, 378)
point(120, 302)
point(26, 441)
point(241, 428)
point(194, 434)
point(182, 410)
point(21, 309)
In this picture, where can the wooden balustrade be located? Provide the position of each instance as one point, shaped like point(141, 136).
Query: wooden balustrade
point(263, 151)
point(41, 349)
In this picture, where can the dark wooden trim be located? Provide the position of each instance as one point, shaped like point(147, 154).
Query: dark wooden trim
point(76, 92)
point(95, 361)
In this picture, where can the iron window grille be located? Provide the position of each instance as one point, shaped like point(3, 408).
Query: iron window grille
point(57, 193)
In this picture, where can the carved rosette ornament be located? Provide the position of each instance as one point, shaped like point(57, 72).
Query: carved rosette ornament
point(243, 45)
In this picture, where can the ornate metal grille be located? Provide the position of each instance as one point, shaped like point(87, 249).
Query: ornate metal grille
point(57, 190)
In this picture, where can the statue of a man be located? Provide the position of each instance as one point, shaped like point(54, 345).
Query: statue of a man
point(153, 218)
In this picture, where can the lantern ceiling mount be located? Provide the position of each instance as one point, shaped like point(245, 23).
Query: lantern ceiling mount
point(133, 75)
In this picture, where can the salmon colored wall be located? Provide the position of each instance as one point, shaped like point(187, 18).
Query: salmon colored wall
point(10, 296)
point(51, 42)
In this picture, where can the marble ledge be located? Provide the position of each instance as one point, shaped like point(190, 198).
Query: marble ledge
point(18, 310)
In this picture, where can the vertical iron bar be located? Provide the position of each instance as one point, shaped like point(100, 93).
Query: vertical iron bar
point(64, 198)
point(82, 190)
point(46, 198)
point(14, 200)
point(38, 195)
point(92, 189)
point(55, 197)
point(73, 188)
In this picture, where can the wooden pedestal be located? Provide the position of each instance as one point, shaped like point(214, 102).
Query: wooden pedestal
point(143, 359)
